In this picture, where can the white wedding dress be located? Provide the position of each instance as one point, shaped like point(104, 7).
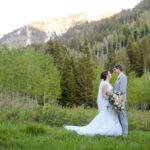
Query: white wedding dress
point(106, 121)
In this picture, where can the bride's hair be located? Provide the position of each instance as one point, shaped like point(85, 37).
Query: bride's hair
point(104, 74)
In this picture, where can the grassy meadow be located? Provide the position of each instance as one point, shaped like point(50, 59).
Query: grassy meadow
point(41, 128)
point(35, 136)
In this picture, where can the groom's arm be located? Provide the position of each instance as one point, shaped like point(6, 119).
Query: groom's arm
point(123, 85)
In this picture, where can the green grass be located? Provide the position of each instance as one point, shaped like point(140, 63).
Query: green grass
point(35, 136)
point(41, 128)
point(58, 116)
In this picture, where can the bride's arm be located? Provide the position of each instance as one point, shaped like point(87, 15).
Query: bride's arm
point(104, 91)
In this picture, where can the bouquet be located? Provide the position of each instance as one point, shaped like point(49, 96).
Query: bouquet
point(116, 99)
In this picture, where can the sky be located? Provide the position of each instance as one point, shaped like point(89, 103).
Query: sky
point(17, 13)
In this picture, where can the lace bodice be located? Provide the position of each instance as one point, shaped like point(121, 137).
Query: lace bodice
point(109, 86)
point(105, 102)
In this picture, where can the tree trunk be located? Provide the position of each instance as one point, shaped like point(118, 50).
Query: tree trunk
point(44, 99)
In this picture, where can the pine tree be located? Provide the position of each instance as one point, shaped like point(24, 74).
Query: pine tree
point(147, 58)
point(58, 55)
point(71, 89)
point(146, 29)
point(73, 83)
point(135, 35)
point(145, 53)
point(54, 49)
point(130, 53)
point(85, 77)
point(136, 59)
point(127, 65)
point(139, 53)
point(110, 62)
point(50, 48)
point(68, 84)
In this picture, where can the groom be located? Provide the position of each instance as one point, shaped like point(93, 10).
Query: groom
point(120, 86)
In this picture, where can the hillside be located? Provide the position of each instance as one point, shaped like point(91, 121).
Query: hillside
point(23, 37)
point(42, 31)
point(111, 31)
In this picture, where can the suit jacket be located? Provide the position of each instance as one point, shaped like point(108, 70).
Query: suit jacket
point(121, 86)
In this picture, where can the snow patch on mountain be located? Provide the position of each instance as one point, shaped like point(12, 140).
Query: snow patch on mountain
point(28, 42)
point(18, 33)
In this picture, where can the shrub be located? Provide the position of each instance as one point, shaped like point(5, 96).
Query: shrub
point(55, 115)
point(35, 129)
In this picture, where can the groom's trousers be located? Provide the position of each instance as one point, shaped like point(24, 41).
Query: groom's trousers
point(124, 122)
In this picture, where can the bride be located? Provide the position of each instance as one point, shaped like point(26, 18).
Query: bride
point(106, 121)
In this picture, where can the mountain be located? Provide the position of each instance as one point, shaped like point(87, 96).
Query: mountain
point(61, 25)
point(23, 37)
point(42, 31)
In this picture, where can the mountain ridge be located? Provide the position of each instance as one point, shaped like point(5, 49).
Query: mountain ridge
point(66, 22)
point(27, 35)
